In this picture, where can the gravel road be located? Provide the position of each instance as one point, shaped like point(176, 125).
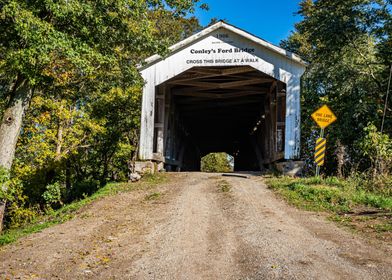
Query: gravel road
point(201, 226)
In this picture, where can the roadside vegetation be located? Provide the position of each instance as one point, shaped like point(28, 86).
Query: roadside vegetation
point(52, 217)
point(224, 186)
point(217, 162)
point(349, 47)
point(357, 202)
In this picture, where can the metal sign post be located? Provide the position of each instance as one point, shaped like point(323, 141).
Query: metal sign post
point(323, 117)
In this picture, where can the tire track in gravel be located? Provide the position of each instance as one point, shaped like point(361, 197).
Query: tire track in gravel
point(196, 242)
point(196, 231)
point(285, 242)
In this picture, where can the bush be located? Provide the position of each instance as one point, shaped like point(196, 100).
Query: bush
point(216, 162)
point(83, 188)
point(378, 148)
point(52, 195)
point(19, 212)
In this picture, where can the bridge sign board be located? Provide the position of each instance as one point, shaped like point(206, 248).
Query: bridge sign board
point(324, 117)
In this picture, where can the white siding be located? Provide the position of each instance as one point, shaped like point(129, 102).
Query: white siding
point(264, 58)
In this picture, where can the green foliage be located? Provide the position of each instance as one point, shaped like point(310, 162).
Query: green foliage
point(351, 202)
point(172, 28)
point(4, 181)
point(346, 45)
point(52, 195)
point(82, 188)
point(330, 194)
point(216, 162)
point(20, 212)
point(378, 148)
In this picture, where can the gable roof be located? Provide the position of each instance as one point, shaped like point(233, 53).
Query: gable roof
point(221, 24)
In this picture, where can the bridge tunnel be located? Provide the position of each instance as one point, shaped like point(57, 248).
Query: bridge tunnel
point(235, 109)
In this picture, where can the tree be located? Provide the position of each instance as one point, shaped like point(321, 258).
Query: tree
point(172, 28)
point(75, 44)
point(342, 41)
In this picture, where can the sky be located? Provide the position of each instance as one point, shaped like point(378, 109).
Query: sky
point(271, 20)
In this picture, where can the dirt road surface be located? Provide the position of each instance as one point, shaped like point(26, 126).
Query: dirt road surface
point(194, 230)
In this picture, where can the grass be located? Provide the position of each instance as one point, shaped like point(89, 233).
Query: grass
point(153, 196)
point(330, 194)
point(224, 186)
point(387, 227)
point(341, 198)
point(68, 211)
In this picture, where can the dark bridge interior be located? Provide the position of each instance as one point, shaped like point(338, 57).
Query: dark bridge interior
point(237, 110)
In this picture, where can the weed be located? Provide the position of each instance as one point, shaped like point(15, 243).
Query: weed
point(224, 186)
point(330, 194)
point(384, 227)
point(153, 196)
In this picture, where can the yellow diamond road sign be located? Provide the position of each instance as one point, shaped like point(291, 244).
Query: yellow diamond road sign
point(324, 117)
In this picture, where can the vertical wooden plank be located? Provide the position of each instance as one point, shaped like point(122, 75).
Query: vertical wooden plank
point(293, 118)
point(268, 128)
point(147, 119)
point(168, 98)
point(159, 126)
point(273, 113)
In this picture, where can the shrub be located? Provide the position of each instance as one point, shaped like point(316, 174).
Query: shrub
point(19, 212)
point(216, 162)
point(52, 195)
point(378, 148)
point(83, 188)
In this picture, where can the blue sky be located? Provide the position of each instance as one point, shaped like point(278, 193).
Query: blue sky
point(271, 20)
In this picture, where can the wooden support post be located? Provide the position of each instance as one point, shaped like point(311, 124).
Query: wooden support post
point(268, 128)
point(168, 105)
point(160, 119)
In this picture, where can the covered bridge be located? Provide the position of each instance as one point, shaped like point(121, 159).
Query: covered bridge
point(221, 90)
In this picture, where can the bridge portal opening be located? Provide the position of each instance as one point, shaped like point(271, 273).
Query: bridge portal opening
point(236, 110)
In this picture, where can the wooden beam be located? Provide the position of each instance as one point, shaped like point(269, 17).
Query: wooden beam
point(244, 83)
point(254, 88)
point(220, 95)
point(221, 104)
point(194, 83)
point(201, 101)
point(206, 70)
point(225, 73)
point(238, 70)
point(191, 90)
point(222, 85)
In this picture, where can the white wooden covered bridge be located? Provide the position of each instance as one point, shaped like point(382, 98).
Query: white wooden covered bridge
point(221, 90)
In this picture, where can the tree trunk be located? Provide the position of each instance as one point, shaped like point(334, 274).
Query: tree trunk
point(10, 126)
point(340, 154)
point(59, 143)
